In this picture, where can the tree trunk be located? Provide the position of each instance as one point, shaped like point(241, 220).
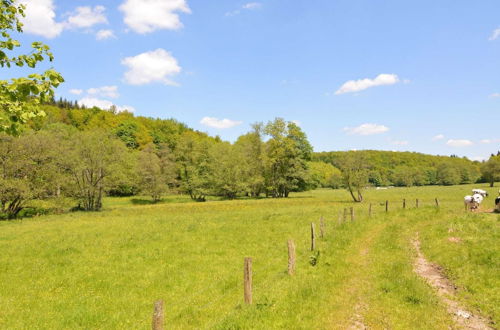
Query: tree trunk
point(360, 197)
point(352, 193)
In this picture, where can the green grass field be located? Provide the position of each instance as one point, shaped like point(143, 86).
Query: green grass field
point(105, 270)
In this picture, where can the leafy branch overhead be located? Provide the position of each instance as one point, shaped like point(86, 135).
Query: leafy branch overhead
point(20, 97)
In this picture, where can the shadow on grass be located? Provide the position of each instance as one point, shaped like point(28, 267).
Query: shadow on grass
point(139, 201)
point(143, 201)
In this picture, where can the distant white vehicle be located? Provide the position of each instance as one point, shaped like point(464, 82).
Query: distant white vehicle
point(384, 188)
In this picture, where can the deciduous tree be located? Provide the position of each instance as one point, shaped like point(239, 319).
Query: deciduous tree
point(194, 161)
point(20, 97)
point(491, 170)
point(287, 152)
point(355, 174)
point(156, 171)
point(96, 163)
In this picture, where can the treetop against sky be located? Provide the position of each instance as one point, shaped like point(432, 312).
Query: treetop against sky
point(392, 75)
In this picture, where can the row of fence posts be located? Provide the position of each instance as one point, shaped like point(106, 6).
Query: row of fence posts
point(159, 315)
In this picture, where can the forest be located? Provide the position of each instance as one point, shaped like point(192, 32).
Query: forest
point(86, 154)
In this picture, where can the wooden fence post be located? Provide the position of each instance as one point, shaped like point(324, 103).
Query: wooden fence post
point(291, 257)
point(247, 277)
point(321, 227)
point(404, 203)
point(345, 215)
point(352, 214)
point(370, 210)
point(158, 316)
point(386, 206)
point(340, 217)
point(416, 203)
point(437, 202)
point(313, 237)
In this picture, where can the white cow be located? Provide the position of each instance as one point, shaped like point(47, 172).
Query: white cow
point(481, 192)
point(472, 202)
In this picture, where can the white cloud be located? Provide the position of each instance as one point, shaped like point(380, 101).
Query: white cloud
point(252, 5)
point(494, 35)
point(495, 95)
point(366, 129)
point(399, 143)
point(40, 18)
point(154, 66)
point(219, 123)
point(459, 143)
point(479, 158)
point(85, 17)
point(352, 86)
point(104, 91)
point(233, 13)
point(488, 141)
point(104, 34)
point(95, 102)
point(145, 16)
point(247, 6)
point(76, 91)
point(290, 81)
point(90, 102)
point(438, 137)
point(122, 108)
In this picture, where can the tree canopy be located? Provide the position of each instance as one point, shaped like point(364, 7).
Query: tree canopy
point(20, 97)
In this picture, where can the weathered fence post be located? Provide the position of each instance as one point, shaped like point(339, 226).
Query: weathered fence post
point(386, 206)
point(352, 214)
point(321, 227)
point(416, 203)
point(247, 278)
point(158, 316)
point(313, 237)
point(340, 217)
point(291, 257)
point(370, 210)
point(345, 215)
point(404, 203)
point(437, 202)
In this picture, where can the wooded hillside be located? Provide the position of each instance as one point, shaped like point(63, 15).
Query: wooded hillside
point(85, 154)
point(387, 168)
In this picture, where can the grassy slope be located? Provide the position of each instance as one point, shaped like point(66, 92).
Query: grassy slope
point(105, 270)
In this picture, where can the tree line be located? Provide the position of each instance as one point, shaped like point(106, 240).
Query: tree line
point(360, 169)
point(86, 154)
point(63, 161)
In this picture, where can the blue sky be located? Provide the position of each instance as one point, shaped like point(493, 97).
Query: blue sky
point(355, 74)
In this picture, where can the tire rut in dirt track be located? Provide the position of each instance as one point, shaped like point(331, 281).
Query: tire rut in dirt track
point(446, 291)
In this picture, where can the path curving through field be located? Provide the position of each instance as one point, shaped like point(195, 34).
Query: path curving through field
point(433, 275)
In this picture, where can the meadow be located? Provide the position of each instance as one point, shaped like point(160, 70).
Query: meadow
point(104, 270)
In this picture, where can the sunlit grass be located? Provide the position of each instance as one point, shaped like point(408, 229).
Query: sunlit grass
point(104, 270)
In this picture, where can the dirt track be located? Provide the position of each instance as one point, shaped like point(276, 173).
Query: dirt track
point(433, 274)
